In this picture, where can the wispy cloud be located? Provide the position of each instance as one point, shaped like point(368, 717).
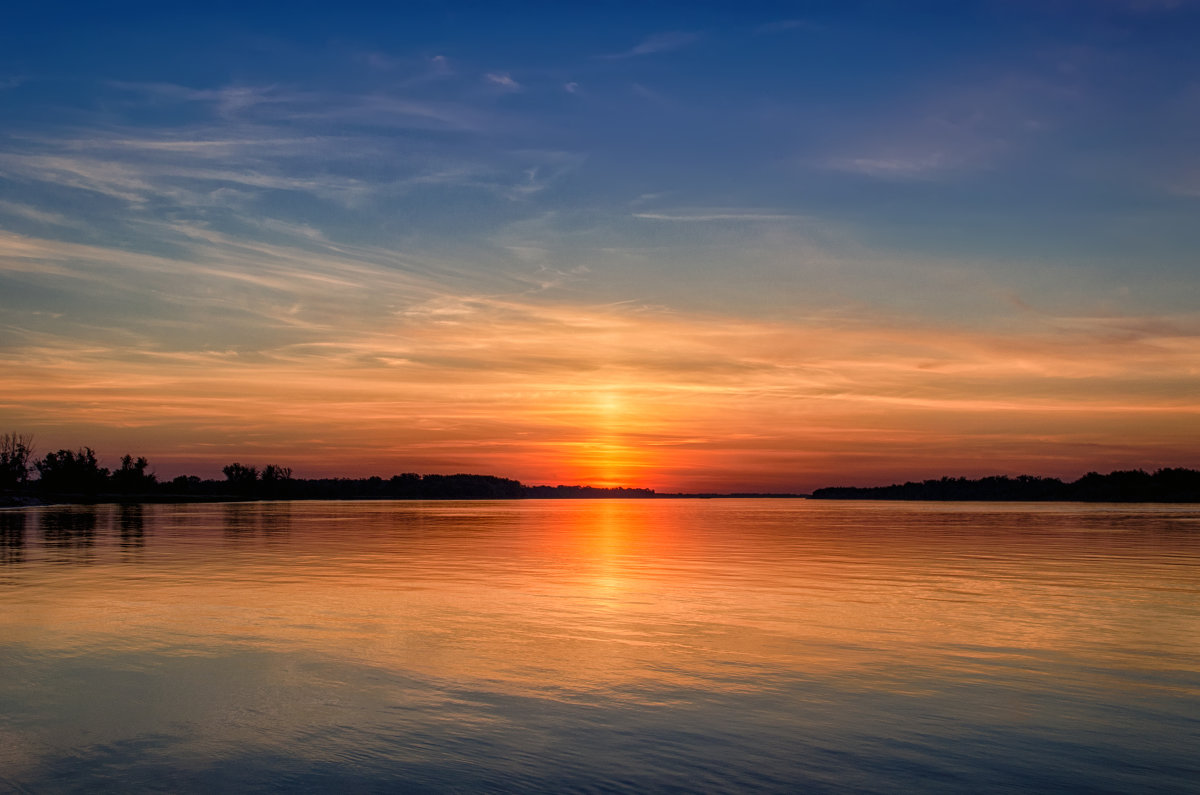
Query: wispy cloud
point(548, 167)
point(920, 165)
point(659, 42)
point(278, 105)
point(229, 101)
point(35, 214)
point(111, 179)
point(960, 128)
point(502, 80)
point(700, 216)
point(139, 181)
point(225, 162)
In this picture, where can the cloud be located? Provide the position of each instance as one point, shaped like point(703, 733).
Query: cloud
point(955, 129)
point(571, 88)
point(546, 168)
point(275, 105)
point(111, 179)
point(35, 214)
point(227, 164)
point(720, 215)
point(659, 42)
point(922, 149)
point(900, 166)
point(502, 80)
point(229, 101)
point(138, 181)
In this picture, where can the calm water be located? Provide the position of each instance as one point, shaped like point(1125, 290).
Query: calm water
point(720, 645)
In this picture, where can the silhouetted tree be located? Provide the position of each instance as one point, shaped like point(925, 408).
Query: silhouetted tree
point(405, 486)
point(15, 452)
point(276, 480)
point(132, 478)
point(272, 473)
point(184, 484)
point(71, 472)
point(242, 479)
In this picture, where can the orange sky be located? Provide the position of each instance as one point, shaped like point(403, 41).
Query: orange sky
point(636, 396)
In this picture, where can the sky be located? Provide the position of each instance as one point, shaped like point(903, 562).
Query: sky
point(685, 246)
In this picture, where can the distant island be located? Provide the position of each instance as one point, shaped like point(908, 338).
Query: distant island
point(75, 476)
point(1134, 485)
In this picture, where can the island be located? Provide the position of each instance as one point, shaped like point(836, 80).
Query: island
point(1134, 485)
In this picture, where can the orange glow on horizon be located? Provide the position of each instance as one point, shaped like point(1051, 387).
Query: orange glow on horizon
point(613, 396)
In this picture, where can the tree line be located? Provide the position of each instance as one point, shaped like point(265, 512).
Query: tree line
point(66, 475)
point(76, 475)
point(1133, 485)
point(68, 471)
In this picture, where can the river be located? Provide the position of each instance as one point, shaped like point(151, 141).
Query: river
point(600, 645)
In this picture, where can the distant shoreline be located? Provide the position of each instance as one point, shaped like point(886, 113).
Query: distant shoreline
point(1175, 485)
point(73, 477)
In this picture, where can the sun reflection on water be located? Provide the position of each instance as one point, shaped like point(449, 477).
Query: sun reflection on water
point(293, 624)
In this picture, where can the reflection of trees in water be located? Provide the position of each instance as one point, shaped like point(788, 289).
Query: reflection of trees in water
point(12, 537)
point(74, 527)
point(276, 519)
point(131, 522)
point(239, 519)
point(70, 532)
point(266, 520)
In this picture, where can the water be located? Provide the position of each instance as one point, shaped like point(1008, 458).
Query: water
point(707, 645)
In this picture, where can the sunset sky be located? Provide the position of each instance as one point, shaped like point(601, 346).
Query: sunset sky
point(698, 246)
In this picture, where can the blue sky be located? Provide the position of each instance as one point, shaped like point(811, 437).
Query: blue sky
point(251, 181)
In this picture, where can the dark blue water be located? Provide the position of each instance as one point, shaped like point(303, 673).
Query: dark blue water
point(712, 645)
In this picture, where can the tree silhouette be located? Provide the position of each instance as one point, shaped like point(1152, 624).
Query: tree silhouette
point(131, 478)
point(272, 473)
point(71, 472)
point(276, 480)
point(15, 452)
point(241, 478)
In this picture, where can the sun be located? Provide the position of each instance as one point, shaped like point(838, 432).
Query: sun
point(606, 458)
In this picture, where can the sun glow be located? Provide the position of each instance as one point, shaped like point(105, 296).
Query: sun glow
point(605, 459)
